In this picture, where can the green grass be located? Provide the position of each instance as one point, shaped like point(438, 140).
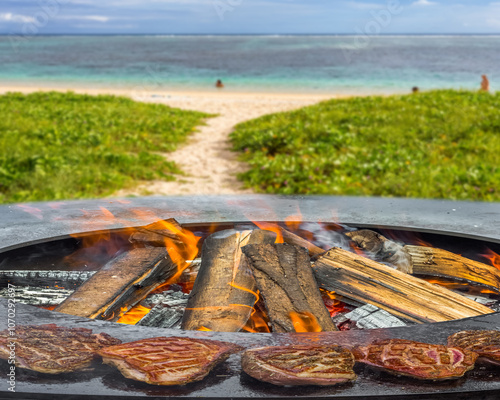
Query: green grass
point(65, 146)
point(441, 144)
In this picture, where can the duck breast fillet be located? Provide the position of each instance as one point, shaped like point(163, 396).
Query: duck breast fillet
point(168, 361)
point(300, 365)
point(485, 343)
point(416, 360)
point(52, 349)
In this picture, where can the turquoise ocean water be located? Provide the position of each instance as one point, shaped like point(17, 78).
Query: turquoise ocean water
point(321, 64)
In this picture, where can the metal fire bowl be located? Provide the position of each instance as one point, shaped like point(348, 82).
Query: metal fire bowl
point(22, 225)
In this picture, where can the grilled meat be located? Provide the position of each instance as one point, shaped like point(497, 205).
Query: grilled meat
point(52, 349)
point(416, 360)
point(168, 361)
point(300, 365)
point(485, 343)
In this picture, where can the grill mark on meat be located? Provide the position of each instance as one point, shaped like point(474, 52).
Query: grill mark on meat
point(168, 361)
point(52, 349)
point(300, 365)
point(485, 343)
point(417, 360)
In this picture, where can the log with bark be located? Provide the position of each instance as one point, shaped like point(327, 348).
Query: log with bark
point(120, 284)
point(157, 233)
point(286, 283)
point(403, 295)
point(224, 292)
point(427, 261)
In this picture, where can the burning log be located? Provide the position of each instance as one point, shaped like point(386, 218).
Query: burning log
point(400, 294)
point(382, 249)
point(120, 284)
point(428, 261)
point(66, 279)
point(157, 233)
point(224, 292)
point(287, 285)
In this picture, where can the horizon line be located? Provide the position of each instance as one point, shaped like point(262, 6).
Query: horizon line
point(248, 34)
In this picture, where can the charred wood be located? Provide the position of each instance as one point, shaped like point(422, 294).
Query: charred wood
point(65, 279)
point(402, 295)
point(370, 317)
point(120, 284)
point(224, 292)
point(168, 309)
point(287, 285)
point(38, 296)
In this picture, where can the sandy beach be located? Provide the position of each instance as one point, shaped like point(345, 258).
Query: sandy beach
point(209, 166)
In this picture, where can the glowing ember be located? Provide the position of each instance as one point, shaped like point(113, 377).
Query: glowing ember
point(304, 322)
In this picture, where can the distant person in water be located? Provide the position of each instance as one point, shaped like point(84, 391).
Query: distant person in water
point(485, 84)
point(219, 84)
point(415, 89)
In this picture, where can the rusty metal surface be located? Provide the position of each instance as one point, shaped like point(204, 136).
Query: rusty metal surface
point(228, 381)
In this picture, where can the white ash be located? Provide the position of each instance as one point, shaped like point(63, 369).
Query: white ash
point(369, 317)
point(37, 296)
point(168, 309)
point(48, 277)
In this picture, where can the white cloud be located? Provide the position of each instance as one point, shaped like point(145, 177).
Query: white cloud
point(423, 3)
point(16, 18)
point(495, 23)
point(96, 18)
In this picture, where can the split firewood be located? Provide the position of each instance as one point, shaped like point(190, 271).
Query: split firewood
point(382, 249)
point(293, 239)
point(287, 285)
point(225, 291)
point(120, 284)
point(403, 295)
point(427, 261)
point(157, 233)
point(430, 261)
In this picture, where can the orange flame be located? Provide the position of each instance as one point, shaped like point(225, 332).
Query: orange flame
point(204, 329)
point(268, 226)
point(258, 321)
point(459, 285)
point(246, 290)
point(492, 257)
point(304, 322)
point(134, 315)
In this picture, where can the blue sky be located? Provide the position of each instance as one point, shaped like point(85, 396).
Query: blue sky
point(248, 16)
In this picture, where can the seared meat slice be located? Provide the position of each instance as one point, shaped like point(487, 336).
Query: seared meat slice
point(417, 360)
point(300, 365)
point(485, 343)
point(168, 361)
point(52, 349)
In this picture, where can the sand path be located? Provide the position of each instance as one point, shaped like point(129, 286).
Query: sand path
point(208, 164)
point(210, 167)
